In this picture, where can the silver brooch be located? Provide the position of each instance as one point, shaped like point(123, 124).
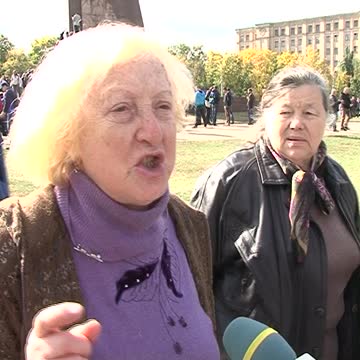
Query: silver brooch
point(81, 250)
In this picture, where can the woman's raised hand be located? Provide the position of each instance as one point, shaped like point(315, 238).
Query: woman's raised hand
point(48, 339)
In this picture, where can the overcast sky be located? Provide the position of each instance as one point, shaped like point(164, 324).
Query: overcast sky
point(211, 23)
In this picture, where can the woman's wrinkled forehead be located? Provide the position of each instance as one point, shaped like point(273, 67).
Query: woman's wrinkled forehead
point(274, 97)
point(144, 66)
point(306, 94)
point(138, 77)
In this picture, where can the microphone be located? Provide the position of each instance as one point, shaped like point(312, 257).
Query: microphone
point(248, 339)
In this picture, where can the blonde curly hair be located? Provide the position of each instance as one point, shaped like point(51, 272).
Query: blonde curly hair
point(49, 120)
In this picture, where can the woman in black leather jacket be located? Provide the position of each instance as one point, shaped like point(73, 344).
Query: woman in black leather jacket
point(284, 221)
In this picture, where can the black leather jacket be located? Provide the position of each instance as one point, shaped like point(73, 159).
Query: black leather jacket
point(246, 199)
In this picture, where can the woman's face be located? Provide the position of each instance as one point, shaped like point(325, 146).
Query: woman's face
point(128, 145)
point(295, 124)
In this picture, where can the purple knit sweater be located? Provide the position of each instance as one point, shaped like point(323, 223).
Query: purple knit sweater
point(142, 292)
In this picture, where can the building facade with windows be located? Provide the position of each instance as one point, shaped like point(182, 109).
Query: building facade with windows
point(329, 35)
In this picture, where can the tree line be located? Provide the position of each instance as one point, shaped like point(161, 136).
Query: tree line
point(12, 58)
point(239, 71)
point(251, 68)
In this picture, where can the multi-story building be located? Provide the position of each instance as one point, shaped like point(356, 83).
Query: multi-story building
point(329, 35)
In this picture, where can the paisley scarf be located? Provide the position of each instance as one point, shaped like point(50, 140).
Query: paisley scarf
point(306, 186)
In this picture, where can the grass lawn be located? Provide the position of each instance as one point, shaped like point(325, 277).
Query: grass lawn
point(194, 157)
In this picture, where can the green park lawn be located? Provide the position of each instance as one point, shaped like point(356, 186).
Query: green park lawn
point(194, 157)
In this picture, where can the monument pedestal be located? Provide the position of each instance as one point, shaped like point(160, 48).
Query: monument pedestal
point(93, 12)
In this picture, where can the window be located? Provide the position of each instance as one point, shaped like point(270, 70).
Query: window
point(328, 27)
point(327, 62)
point(276, 44)
point(317, 40)
point(328, 39)
point(282, 44)
point(336, 51)
point(299, 29)
point(356, 23)
point(276, 32)
point(336, 25)
point(328, 51)
point(242, 38)
point(317, 28)
point(247, 38)
point(336, 63)
point(355, 49)
point(336, 38)
point(247, 46)
point(292, 31)
point(310, 29)
point(347, 24)
point(242, 47)
point(356, 36)
point(283, 32)
point(300, 41)
point(292, 42)
point(347, 37)
point(309, 41)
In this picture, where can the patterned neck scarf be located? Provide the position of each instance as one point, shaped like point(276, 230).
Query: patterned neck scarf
point(306, 186)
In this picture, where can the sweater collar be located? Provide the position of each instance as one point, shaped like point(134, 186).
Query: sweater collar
point(104, 227)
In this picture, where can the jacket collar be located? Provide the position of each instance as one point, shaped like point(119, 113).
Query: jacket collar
point(272, 174)
point(270, 171)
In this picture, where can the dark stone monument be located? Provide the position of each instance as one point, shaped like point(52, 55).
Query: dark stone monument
point(93, 12)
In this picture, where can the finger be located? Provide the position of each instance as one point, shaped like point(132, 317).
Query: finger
point(56, 317)
point(91, 329)
point(58, 345)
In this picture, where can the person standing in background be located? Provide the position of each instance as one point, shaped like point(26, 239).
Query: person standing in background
point(200, 111)
point(345, 104)
point(250, 106)
point(333, 110)
point(227, 106)
point(16, 83)
point(76, 19)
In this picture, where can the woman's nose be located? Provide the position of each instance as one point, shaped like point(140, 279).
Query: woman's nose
point(296, 122)
point(150, 129)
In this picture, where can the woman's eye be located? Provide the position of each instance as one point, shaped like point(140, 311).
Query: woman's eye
point(121, 108)
point(284, 112)
point(165, 106)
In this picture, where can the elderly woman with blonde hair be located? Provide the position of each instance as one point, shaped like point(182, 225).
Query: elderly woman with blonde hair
point(104, 239)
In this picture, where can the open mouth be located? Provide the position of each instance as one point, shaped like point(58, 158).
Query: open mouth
point(152, 161)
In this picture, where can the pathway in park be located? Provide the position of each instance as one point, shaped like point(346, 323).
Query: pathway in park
point(241, 131)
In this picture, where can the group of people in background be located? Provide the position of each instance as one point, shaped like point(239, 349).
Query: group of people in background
point(207, 105)
point(10, 92)
point(346, 105)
